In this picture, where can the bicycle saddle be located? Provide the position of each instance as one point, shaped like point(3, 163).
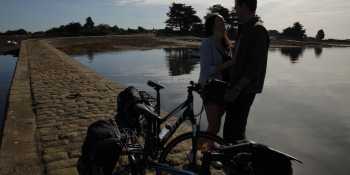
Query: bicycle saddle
point(143, 110)
point(155, 84)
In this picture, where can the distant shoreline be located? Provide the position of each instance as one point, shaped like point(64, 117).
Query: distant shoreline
point(83, 45)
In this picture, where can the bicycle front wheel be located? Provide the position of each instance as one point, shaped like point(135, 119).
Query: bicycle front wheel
point(175, 154)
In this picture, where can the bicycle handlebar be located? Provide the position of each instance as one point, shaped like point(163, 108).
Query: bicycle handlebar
point(198, 87)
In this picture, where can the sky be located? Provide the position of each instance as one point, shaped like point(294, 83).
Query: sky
point(40, 15)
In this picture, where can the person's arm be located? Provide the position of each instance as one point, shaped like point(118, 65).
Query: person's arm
point(234, 92)
point(206, 51)
point(225, 65)
point(206, 62)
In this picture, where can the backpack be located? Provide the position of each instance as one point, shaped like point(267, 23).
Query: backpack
point(101, 149)
point(267, 161)
point(127, 117)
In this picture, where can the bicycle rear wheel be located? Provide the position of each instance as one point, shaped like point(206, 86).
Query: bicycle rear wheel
point(175, 153)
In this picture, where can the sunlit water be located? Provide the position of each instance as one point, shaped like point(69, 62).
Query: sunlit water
point(7, 69)
point(303, 110)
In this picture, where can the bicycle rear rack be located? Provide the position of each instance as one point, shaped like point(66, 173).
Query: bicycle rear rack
point(147, 97)
point(131, 142)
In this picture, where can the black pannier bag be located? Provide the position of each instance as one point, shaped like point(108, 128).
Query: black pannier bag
point(101, 149)
point(127, 117)
point(214, 91)
point(267, 161)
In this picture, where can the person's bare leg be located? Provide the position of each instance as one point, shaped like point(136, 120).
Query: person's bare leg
point(222, 111)
point(214, 114)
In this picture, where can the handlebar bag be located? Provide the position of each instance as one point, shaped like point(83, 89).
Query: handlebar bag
point(214, 91)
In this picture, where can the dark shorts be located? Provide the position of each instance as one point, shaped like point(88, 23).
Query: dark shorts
point(236, 117)
point(206, 102)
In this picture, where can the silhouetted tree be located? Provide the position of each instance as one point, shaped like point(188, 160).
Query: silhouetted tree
point(61, 29)
point(141, 29)
point(21, 32)
point(296, 31)
point(132, 31)
point(182, 17)
point(114, 29)
point(74, 28)
point(103, 27)
point(197, 28)
point(224, 12)
point(38, 33)
point(167, 30)
point(89, 25)
point(229, 16)
point(320, 35)
point(16, 32)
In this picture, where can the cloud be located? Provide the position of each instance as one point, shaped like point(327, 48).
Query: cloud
point(123, 2)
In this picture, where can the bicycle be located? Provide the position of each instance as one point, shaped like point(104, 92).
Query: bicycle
point(137, 155)
point(247, 158)
point(176, 152)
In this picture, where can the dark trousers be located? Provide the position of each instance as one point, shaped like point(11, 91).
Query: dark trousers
point(236, 117)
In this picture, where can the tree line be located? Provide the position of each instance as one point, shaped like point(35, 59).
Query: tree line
point(297, 32)
point(182, 20)
point(76, 29)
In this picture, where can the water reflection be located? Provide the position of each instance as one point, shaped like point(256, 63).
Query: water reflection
point(178, 61)
point(293, 53)
point(14, 53)
point(302, 111)
point(318, 52)
point(7, 68)
point(90, 56)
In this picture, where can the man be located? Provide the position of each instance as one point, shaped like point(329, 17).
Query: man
point(248, 72)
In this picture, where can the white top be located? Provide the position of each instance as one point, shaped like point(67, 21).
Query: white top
point(210, 57)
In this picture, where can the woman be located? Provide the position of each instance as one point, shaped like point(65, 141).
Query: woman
point(213, 50)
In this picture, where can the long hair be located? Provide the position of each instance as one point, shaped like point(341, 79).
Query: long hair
point(209, 24)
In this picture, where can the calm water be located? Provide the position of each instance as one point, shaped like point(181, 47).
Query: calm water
point(7, 68)
point(303, 110)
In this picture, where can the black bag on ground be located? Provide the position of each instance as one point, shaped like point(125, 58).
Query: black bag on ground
point(267, 161)
point(101, 149)
point(214, 91)
point(127, 117)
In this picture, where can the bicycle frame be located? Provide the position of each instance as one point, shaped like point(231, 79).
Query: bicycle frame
point(188, 113)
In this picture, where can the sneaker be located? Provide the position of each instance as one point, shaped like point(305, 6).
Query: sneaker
point(189, 156)
point(216, 164)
